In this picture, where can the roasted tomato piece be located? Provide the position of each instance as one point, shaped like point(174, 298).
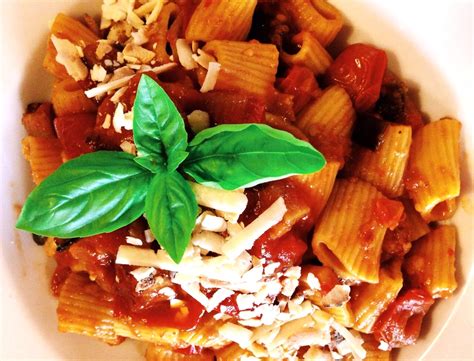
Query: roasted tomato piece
point(300, 83)
point(94, 255)
point(388, 212)
point(400, 324)
point(288, 250)
point(74, 132)
point(359, 69)
point(326, 276)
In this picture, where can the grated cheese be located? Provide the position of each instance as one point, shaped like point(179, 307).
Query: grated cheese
point(142, 273)
point(137, 54)
point(128, 147)
point(118, 94)
point(211, 77)
point(107, 121)
point(236, 333)
point(208, 241)
point(149, 236)
point(245, 239)
point(185, 54)
point(213, 223)
point(203, 58)
point(337, 296)
point(155, 12)
point(121, 119)
point(220, 295)
point(133, 241)
point(139, 37)
point(219, 199)
point(118, 83)
point(103, 48)
point(70, 58)
point(98, 73)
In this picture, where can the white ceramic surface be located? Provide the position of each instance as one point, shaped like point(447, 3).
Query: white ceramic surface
point(429, 44)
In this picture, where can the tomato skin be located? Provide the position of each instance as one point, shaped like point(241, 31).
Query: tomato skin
point(400, 324)
point(359, 69)
point(74, 132)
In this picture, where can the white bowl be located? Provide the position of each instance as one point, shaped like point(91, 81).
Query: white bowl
point(429, 44)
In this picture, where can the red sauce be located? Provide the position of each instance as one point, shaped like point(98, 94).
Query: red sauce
point(288, 250)
point(388, 212)
point(60, 276)
point(190, 350)
point(74, 132)
point(300, 83)
point(327, 277)
point(230, 306)
point(162, 314)
point(400, 324)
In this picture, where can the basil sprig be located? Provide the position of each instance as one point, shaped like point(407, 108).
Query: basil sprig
point(103, 191)
point(243, 155)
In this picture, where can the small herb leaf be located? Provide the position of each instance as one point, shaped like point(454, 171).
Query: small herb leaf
point(171, 210)
point(92, 194)
point(235, 156)
point(158, 129)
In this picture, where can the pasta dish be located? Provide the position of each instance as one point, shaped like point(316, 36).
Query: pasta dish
point(212, 181)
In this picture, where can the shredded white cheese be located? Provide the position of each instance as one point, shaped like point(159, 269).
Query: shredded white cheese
point(185, 54)
point(98, 73)
point(219, 199)
point(69, 56)
point(245, 239)
point(236, 333)
point(211, 77)
point(121, 119)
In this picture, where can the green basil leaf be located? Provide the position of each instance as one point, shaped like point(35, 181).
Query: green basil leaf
point(171, 211)
point(158, 129)
point(243, 155)
point(92, 194)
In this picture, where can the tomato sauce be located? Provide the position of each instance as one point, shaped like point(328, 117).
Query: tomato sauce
point(400, 324)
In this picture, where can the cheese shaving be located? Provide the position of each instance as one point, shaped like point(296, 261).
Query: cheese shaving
point(133, 241)
point(70, 58)
point(98, 73)
point(211, 77)
point(118, 83)
point(121, 119)
point(245, 239)
point(219, 199)
point(155, 12)
point(185, 54)
point(236, 333)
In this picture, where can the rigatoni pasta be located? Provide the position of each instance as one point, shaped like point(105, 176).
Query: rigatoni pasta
point(384, 167)
point(43, 154)
point(430, 264)
point(328, 122)
point(347, 238)
point(84, 308)
point(221, 20)
point(370, 300)
point(433, 176)
point(245, 66)
point(311, 54)
point(316, 16)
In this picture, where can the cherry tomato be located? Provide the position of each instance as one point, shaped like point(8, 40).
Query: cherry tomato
point(74, 132)
point(400, 324)
point(359, 69)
